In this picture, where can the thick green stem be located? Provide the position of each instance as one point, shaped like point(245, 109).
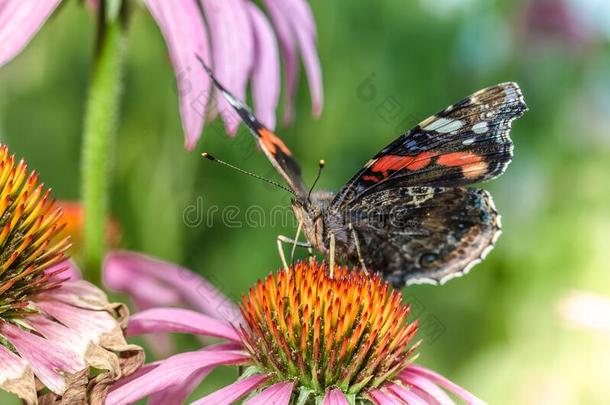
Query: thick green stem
point(98, 139)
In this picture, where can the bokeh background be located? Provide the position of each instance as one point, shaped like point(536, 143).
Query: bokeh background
point(511, 331)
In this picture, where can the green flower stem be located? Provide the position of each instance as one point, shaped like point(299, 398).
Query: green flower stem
point(98, 139)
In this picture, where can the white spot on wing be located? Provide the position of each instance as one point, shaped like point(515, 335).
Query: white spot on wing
point(468, 141)
point(480, 127)
point(444, 125)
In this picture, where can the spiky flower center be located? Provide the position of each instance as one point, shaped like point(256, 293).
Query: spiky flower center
point(349, 331)
point(29, 225)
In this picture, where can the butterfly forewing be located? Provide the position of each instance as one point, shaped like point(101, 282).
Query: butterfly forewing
point(465, 143)
point(274, 148)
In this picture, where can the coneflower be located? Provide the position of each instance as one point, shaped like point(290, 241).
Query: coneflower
point(305, 337)
point(52, 329)
point(237, 37)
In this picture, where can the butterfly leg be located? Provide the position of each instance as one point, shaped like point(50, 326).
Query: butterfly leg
point(360, 258)
point(294, 245)
point(284, 239)
point(332, 254)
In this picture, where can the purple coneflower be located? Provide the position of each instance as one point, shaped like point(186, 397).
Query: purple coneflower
point(303, 335)
point(53, 327)
point(234, 36)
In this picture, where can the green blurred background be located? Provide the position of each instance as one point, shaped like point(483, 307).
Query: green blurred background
point(497, 331)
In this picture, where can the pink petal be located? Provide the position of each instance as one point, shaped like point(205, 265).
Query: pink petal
point(440, 380)
point(90, 325)
point(161, 345)
point(381, 398)
point(233, 392)
point(302, 13)
point(58, 333)
point(266, 69)
point(406, 395)
point(171, 372)
point(144, 369)
point(177, 394)
point(20, 20)
point(47, 359)
point(427, 390)
point(123, 271)
point(290, 56)
point(16, 377)
point(277, 394)
point(185, 34)
point(232, 51)
point(299, 13)
point(335, 397)
point(77, 293)
point(181, 321)
point(67, 270)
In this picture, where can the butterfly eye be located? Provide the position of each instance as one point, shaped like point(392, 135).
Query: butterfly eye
point(428, 259)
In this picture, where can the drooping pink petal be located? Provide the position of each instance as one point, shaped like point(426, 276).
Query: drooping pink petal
point(144, 369)
point(290, 57)
point(233, 392)
point(178, 320)
point(406, 395)
point(16, 377)
point(48, 360)
point(299, 13)
point(383, 398)
point(20, 20)
point(232, 51)
point(277, 394)
point(60, 334)
point(177, 394)
point(266, 68)
point(185, 34)
point(335, 397)
point(123, 270)
point(90, 325)
point(440, 380)
point(78, 293)
point(171, 372)
point(162, 345)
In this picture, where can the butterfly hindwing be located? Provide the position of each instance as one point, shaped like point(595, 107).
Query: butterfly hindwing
point(424, 234)
point(465, 143)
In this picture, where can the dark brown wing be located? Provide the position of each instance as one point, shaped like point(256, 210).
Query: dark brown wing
point(425, 234)
point(467, 142)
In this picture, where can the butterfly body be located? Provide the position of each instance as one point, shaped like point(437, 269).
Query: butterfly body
point(408, 213)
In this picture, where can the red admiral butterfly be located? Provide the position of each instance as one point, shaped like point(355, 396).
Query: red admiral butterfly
point(406, 212)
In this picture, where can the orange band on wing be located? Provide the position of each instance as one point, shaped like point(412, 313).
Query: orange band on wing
point(458, 159)
point(398, 162)
point(472, 165)
point(272, 142)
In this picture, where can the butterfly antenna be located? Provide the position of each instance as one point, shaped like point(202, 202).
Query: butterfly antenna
point(320, 167)
point(256, 176)
point(209, 72)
